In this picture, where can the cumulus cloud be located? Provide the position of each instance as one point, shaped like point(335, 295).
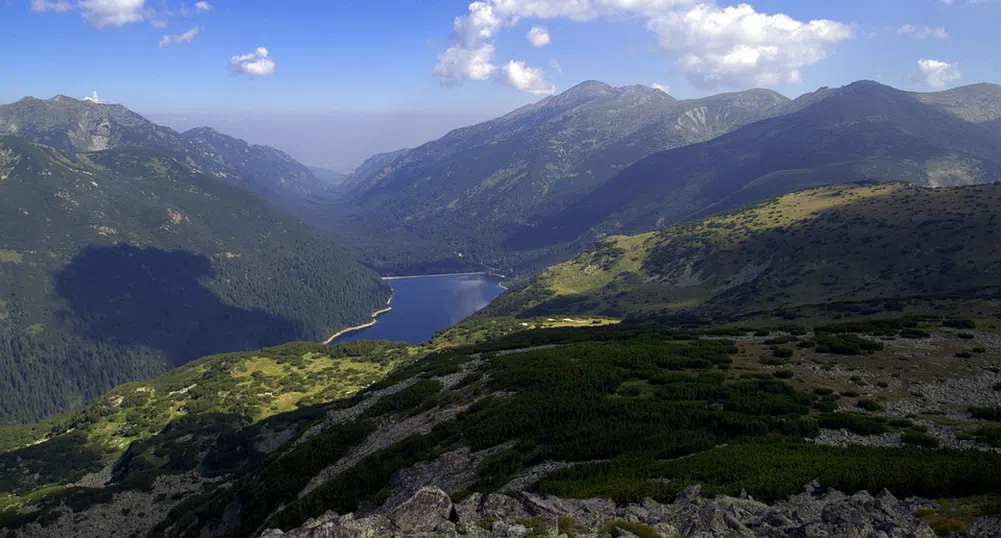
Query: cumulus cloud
point(733, 46)
point(255, 64)
point(458, 64)
point(739, 47)
point(938, 74)
point(93, 98)
point(909, 30)
point(538, 36)
point(178, 39)
point(101, 13)
point(527, 79)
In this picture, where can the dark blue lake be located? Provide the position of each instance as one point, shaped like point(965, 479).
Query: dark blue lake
point(423, 306)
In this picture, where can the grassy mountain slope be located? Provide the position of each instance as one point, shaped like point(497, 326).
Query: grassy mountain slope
point(865, 355)
point(119, 264)
point(453, 202)
point(829, 244)
point(83, 126)
point(864, 131)
point(623, 412)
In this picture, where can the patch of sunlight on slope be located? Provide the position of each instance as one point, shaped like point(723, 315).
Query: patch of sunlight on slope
point(596, 269)
point(788, 210)
point(621, 260)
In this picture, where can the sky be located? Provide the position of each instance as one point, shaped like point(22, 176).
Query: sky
point(400, 72)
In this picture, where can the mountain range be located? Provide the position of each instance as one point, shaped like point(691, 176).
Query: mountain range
point(538, 185)
point(85, 126)
point(800, 352)
point(872, 242)
point(118, 264)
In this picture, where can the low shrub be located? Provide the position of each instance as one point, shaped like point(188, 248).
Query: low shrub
point(959, 323)
point(847, 344)
point(986, 413)
point(920, 439)
point(870, 406)
point(853, 422)
point(616, 527)
point(782, 353)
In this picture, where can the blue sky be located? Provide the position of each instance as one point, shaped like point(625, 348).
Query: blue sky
point(433, 56)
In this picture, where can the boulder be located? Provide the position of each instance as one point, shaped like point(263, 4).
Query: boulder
point(422, 512)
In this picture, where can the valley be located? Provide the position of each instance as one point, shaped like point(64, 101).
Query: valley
point(741, 315)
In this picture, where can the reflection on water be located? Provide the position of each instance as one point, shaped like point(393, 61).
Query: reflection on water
point(425, 305)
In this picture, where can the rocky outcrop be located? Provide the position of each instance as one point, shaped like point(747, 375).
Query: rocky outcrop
point(814, 513)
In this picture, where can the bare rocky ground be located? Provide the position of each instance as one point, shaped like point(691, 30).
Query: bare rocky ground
point(125, 515)
point(815, 512)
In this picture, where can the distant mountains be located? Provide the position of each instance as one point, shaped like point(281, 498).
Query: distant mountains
point(541, 183)
point(862, 132)
point(84, 126)
point(826, 245)
point(118, 264)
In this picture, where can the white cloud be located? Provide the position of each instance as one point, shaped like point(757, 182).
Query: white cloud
point(938, 74)
point(661, 87)
point(458, 64)
point(925, 32)
point(526, 79)
point(733, 46)
point(538, 36)
point(739, 47)
point(556, 65)
point(178, 39)
point(159, 24)
point(255, 64)
point(101, 13)
point(201, 7)
point(42, 6)
point(93, 98)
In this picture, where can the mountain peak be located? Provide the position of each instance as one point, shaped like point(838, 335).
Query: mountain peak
point(582, 93)
point(866, 85)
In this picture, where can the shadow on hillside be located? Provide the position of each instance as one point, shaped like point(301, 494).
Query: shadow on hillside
point(148, 297)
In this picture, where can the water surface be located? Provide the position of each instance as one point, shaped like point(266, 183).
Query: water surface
point(423, 306)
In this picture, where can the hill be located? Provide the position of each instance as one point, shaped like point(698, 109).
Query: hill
point(452, 203)
point(830, 244)
point(119, 264)
point(630, 413)
point(844, 337)
point(85, 126)
point(862, 132)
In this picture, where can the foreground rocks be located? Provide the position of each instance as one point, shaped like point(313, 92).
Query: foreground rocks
point(814, 513)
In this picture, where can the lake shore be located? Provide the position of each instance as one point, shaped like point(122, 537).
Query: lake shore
point(440, 275)
point(375, 318)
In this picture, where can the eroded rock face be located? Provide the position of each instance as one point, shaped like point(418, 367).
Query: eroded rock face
point(816, 512)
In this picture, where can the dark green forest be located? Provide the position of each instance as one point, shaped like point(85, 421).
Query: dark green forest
point(117, 265)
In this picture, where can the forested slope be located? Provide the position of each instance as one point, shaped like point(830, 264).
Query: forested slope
point(117, 265)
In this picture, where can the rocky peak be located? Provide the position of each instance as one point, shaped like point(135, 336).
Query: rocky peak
point(578, 95)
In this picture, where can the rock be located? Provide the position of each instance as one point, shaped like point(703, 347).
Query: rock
point(422, 512)
point(517, 530)
point(924, 531)
point(985, 527)
point(690, 495)
point(817, 512)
